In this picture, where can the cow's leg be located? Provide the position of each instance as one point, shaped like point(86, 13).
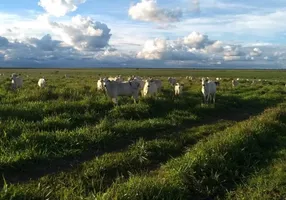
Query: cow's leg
point(214, 98)
point(204, 99)
point(135, 97)
point(209, 98)
point(115, 101)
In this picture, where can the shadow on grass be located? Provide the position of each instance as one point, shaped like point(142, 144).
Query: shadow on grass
point(216, 176)
point(228, 107)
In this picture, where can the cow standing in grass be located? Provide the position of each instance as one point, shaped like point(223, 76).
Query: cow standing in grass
point(100, 84)
point(179, 88)
point(150, 88)
point(208, 90)
point(138, 80)
point(234, 83)
point(157, 82)
point(114, 89)
point(42, 82)
point(172, 81)
point(16, 81)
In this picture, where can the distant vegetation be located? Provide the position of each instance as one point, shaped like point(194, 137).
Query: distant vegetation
point(68, 141)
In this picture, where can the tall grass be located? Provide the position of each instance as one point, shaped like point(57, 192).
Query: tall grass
point(211, 167)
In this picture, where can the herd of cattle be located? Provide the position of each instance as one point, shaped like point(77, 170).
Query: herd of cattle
point(135, 85)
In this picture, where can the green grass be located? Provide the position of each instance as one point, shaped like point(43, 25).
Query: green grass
point(68, 141)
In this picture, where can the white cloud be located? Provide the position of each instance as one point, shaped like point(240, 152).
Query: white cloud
point(148, 10)
point(193, 47)
point(233, 53)
point(83, 33)
point(20, 27)
point(60, 8)
point(216, 47)
point(255, 52)
point(196, 40)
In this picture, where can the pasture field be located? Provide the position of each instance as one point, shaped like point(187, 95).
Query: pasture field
point(68, 141)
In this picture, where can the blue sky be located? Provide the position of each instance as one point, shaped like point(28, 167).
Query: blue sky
point(142, 31)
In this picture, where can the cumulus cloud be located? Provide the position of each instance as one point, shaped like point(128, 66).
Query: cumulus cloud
point(255, 52)
point(194, 50)
point(45, 43)
point(148, 10)
point(195, 46)
point(83, 33)
point(216, 47)
point(34, 50)
point(60, 8)
point(233, 54)
point(196, 40)
point(46, 52)
point(161, 49)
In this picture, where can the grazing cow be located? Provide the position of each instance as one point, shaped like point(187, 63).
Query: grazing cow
point(42, 82)
point(114, 89)
point(179, 88)
point(234, 83)
point(172, 81)
point(150, 88)
point(208, 90)
point(16, 81)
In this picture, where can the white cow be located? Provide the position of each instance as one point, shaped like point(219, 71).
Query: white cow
point(150, 88)
point(16, 81)
point(117, 78)
point(42, 83)
point(179, 88)
point(114, 89)
point(234, 83)
point(208, 90)
point(138, 80)
point(100, 84)
point(172, 81)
